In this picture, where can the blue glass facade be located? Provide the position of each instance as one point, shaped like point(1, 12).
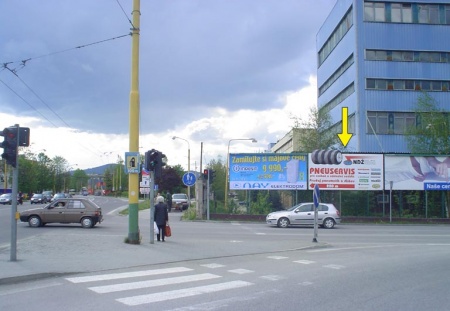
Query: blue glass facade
point(376, 58)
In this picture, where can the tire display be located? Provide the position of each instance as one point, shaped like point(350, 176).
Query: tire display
point(331, 157)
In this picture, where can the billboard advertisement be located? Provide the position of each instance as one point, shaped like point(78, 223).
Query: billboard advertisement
point(408, 172)
point(268, 171)
point(332, 170)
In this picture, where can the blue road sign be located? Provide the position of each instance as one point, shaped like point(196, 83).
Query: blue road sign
point(189, 179)
point(316, 196)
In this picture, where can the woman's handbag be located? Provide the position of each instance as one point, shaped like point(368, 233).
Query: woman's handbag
point(168, 231)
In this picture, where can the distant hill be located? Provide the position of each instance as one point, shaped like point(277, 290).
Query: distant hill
point(99, 170)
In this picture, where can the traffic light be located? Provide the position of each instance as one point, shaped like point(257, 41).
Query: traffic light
point(205, 173)
point(212, 174)
point(9, 145)
point(154, 161)
point(151, 157)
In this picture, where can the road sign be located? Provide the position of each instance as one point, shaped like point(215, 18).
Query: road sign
point(132, 163)
point(316, 196)
point(189, 179)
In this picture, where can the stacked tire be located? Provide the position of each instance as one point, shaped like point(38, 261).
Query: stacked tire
point(330, 157)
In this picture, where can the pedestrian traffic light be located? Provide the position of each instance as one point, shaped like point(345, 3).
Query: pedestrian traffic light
point(212, 175)
point(205, 174)
point(9, 145)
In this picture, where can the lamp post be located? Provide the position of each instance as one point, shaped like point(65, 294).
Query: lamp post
point(227, 167)
point(189, 166)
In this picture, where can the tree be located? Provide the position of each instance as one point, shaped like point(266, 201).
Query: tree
point(314, 133)
point(431, 132)
point(171, 179)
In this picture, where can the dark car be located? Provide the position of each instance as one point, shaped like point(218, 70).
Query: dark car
point(68, 210)
point(48, 195)
point(38, 198)
point(5, 199)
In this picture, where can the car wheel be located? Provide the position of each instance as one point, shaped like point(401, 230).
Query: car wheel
point(87, 222)
point(283, 222)
point(328, 223)
point(34, 221)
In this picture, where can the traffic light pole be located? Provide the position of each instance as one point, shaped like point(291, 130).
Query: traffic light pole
point(14, 215)
point(152, 207)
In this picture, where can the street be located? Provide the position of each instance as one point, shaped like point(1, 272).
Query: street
point(242, 266)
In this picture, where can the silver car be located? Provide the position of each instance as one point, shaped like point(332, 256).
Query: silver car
point(303, 214)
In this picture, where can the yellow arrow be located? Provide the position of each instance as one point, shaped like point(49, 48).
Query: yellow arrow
point(345, 136)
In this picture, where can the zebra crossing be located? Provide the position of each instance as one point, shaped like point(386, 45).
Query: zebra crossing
point(167, 279)
point(148, 286)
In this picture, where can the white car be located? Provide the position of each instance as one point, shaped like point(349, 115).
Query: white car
point(303, 214)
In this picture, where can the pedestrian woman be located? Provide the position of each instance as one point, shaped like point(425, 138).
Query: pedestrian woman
point(161, 217)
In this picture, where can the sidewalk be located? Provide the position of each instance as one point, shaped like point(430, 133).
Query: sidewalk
point(90, 250)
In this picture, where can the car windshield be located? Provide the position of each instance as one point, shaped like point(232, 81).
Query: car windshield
point(180, 196)
point(5, 195)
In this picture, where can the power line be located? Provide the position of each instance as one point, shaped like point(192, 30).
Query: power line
point(23, 62)
point(126, 16)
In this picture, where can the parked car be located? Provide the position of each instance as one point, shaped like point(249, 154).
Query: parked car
point(6, 199)
point(38, 198)
point(303, 214)
point(67, 210)
point(179, 201)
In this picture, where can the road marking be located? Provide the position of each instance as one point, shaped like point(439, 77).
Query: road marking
point(115, 276)
point(304, 262)
point(241, 271)
point(277, 257)
point(272, 277)
point(153, 283)
point(235, 241)
point(181, 293)
point(306, 283)
point(213, 265)
point(336, 267)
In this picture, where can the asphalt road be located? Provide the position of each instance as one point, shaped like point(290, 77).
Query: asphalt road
point(362, 267)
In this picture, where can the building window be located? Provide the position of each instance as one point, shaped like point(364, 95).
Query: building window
point(406, 12)
point(401, 13)
point(374, 12)
point(393, 123)
point(348, 62)
point(447, 14)
point(339, 98)
point(337, 35)
point(409, 84)
point(408, 56)
point(406, 85)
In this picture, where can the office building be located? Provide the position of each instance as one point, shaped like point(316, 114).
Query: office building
point(376, 58)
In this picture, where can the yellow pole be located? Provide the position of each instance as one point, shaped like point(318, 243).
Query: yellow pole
point(133, 179)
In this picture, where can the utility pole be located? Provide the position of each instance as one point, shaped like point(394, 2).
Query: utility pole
point(133, 179)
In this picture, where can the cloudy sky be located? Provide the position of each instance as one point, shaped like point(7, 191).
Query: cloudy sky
point(210, 71)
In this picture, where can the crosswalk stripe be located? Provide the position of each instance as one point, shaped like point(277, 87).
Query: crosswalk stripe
point(124, 275)
point(181, 293)
point(153, 283)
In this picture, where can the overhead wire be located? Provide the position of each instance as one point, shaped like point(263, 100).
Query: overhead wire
point(22, 64)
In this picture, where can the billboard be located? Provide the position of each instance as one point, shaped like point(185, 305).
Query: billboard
point(409, 172)
point(268, 171)
point(332, 170)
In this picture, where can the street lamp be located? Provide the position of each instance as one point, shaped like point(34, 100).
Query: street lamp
point(227, 167)
point(189, 166)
